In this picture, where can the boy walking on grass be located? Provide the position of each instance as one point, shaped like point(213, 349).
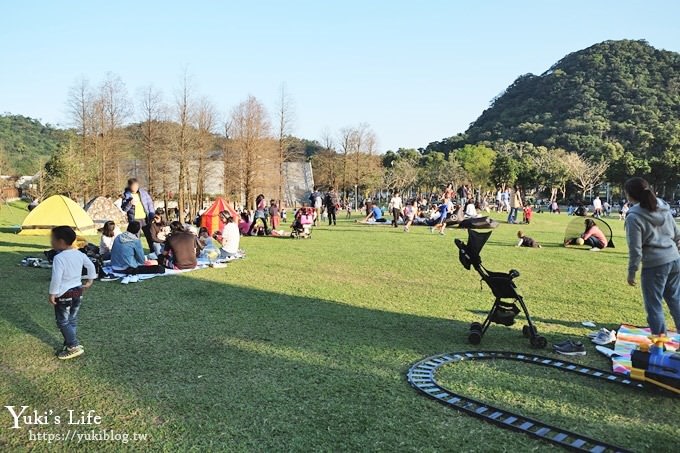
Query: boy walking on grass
point(66, 287)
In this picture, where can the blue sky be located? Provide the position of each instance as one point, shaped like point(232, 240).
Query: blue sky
point(415, 71)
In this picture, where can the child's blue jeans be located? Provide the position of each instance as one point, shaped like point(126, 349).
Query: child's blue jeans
point(660, 283)
point(66, 314)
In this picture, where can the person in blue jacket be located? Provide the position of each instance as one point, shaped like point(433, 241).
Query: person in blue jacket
point(138, 205)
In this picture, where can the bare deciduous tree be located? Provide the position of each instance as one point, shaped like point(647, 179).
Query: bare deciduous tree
point(183, 139)
point(251, 138)
point(205, 125)
point(152, 110)
point(285, 125)
point(585, 173)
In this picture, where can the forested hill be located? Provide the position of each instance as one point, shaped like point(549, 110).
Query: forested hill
point(27, 143)
point(618, 99)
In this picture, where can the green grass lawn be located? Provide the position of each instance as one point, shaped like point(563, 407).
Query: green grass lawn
point(305, 344)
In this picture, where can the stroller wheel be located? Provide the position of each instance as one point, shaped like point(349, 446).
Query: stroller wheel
point(538, 342)
point(475, 337)
point(475, 326)
point(526, 331)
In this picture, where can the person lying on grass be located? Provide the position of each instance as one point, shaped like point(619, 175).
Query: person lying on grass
point(526, 241)
point(66, 287)
point(592, 236)
point(653, 240)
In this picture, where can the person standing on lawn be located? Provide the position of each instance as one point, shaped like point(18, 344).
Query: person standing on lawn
point(395, 208)
point(66, 287)
point(138, 205)
point(653, 240)
point(515, 205)
point(331, 203)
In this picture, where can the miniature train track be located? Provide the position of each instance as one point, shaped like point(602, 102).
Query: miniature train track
point(422, 377)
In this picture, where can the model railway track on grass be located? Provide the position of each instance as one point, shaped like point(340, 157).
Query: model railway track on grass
point(422, 377)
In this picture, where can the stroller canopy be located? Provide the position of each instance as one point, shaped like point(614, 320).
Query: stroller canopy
point(576, 227)
point(469, 253)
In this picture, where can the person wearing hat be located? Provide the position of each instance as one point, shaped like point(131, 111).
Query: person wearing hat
point(231, 236)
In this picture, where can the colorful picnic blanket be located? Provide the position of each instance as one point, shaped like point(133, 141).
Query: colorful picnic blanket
point(628, 339)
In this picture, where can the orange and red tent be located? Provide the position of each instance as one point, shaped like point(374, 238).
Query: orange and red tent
point(211, 217)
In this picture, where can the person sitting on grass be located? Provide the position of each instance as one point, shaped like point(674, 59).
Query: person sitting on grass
point(231, 238)
point(127, 255)
point(443, 214)
point(470, 209)
point(181, 248)
point(374, 214)
point(592, 236)
point(204, 238)
point(653, 240)
point(157, 232)
point(66, 287)
point(244, 223)
point(526, 241)
point(109, 233)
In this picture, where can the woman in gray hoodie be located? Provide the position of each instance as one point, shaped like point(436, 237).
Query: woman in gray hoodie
point(653, 240)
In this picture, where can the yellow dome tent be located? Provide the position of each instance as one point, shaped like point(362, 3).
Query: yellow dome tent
point(55, 211)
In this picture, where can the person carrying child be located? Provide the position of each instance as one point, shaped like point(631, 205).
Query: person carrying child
point(526, 241)
point(66, 287)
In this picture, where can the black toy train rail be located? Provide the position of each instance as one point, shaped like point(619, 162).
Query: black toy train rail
point(422, 377)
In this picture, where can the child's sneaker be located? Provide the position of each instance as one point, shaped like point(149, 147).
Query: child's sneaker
point(70, 353)
point(604, 337)
point(108, 278)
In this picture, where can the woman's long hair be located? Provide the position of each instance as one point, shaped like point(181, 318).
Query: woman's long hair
point(639, 190)
point(589, 224)
point(109, 229)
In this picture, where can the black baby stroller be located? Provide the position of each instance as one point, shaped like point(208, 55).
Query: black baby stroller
point(502, 286)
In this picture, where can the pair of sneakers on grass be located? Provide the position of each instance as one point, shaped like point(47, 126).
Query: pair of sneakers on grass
point(600, 338)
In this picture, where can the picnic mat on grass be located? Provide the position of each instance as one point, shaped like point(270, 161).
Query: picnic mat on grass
point(202, 264)
point(628, 338)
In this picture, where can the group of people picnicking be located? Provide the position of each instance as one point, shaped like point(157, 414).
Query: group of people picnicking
point(174, 245)
point(178, 245)
point(448, 208)
point(651, 231)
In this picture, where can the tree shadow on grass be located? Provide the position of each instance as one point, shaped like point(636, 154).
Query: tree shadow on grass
point(234, 367)
point(20, 245)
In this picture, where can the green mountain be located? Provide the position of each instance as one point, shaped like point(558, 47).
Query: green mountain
point(27, 143)
point(617, 100)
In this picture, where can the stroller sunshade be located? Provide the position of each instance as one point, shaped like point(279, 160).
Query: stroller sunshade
point(469, 253)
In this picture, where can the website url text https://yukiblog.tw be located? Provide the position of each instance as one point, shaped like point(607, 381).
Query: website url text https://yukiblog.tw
point(73, 435)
